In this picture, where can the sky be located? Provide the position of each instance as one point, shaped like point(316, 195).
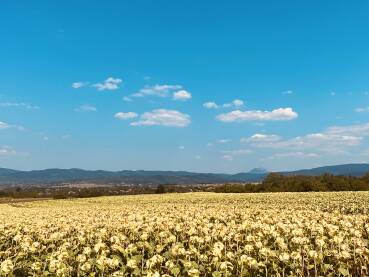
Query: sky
point(205, 86)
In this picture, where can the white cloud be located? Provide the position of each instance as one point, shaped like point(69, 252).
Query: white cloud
point(78, 85)
point(157, 90)
point(210, 105)
point(182, 95)
point(238, 103)
point(181, 147)
point(18, 105)
point(261, 138)
point(235, 103)
point(85, 108)
point(277, 114)
point(7, 151)
point(125, 116)
point(163, 117)
point(109, 84)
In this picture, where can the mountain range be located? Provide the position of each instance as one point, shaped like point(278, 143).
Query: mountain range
point(55, 176)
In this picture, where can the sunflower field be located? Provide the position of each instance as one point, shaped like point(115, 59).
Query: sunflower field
point(193, 234)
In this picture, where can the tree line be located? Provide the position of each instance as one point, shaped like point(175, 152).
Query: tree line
point(276, 182)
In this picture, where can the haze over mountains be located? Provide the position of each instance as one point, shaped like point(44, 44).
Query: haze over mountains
point(50, 176)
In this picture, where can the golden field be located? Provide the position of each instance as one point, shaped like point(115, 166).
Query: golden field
point(194, 234)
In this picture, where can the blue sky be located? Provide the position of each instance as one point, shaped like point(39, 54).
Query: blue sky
point(208, 86)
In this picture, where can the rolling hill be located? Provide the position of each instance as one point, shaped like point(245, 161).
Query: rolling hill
point(53, 176)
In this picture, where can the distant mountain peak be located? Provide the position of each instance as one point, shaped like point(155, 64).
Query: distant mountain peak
point(258, 170)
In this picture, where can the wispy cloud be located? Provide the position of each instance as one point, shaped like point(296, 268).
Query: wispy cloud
point(252, 115)
point(85, 108)
point(362, 110)
point(223, 140)
point(77, 85)
point(315, 140)
point(299, 155)
point(127, 99)
point(176, 92)
point(65, 137)
point(18, 105)
point(350, 130)
point(287, 92)
point(110, 83)
point(237, 152)
point(333, 140)
point(228, 157)
point(7, 151)
point(157, 90)
point(4, 126)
